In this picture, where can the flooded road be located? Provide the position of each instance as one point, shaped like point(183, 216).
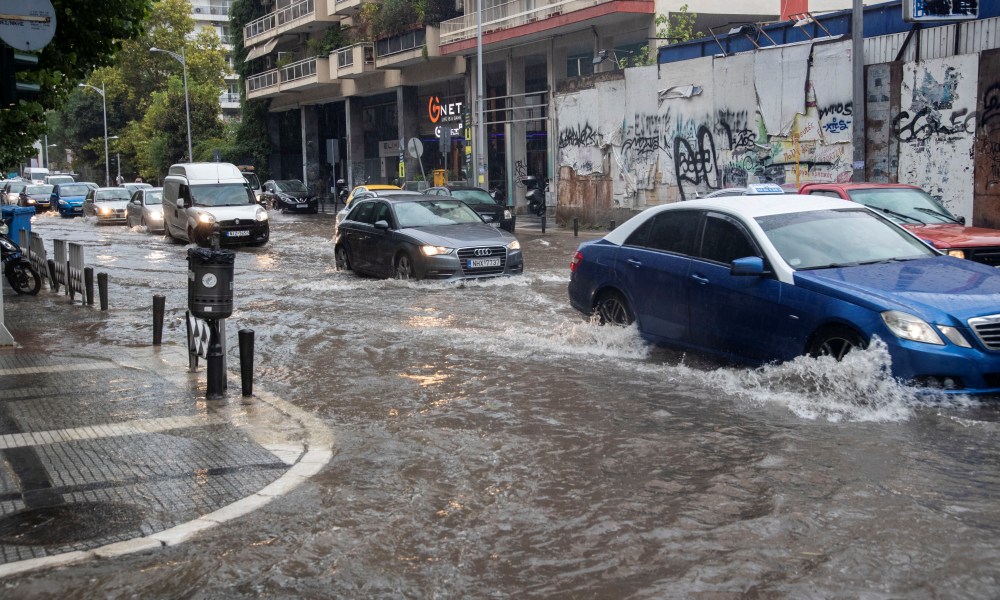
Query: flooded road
point(491, 443)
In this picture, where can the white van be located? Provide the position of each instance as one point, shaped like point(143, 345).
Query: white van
point(54, 179)
point(199, 196)
point(36, 175)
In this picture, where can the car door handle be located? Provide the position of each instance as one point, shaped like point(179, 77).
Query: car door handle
point(634, 262)
point(700, 279)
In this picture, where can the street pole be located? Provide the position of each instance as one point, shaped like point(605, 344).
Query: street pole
point(858, 89)
point(480, 146)
point(104, 106)
point(187, 102)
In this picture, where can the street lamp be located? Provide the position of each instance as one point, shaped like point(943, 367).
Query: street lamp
point(104, 103)
point(118, 159)
point(187, 103)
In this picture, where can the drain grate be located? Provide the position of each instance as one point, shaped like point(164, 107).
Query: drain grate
point(68, 523)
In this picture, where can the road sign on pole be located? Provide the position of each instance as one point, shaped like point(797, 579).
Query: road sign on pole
point(27, 25)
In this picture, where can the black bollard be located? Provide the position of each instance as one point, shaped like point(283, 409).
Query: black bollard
point(53, 282)
point(246, 360)
point(158, 305)
point(102, 289)
point(216, 236)
point(543, 222)
point(69, 283)
point(576, 226)
point(88, 285)
point(214, 362)
point(612, 228)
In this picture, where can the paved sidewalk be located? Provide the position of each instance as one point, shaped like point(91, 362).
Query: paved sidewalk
point(108, 450)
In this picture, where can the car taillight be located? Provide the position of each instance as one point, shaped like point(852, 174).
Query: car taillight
point(576, 261)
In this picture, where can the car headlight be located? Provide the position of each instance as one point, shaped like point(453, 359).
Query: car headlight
point(155, 214)
point(435, 250)
point(956, 253)
point(105, 210)
point(261, 215)
point(954, 336)
point(909, 327)
point(206, 218)
point(258, 196)
point(515, 245)
point(63, 202)
point(31, 200)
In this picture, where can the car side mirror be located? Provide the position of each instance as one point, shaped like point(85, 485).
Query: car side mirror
point(180, 202)
point(749, 266)
point(382, 225)
point(961, 220)
point(487, 218)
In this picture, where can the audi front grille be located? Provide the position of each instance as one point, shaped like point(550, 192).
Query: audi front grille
point(987, 330)
point(485, 252)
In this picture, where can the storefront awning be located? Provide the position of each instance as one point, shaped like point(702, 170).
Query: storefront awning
point(262, 49)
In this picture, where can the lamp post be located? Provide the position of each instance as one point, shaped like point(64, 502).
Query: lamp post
point(104, 104)
point(187, 102)
point(118, 159)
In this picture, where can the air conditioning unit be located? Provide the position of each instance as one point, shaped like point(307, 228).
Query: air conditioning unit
point(197, 9)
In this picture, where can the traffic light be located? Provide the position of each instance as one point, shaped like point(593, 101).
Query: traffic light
point(12, 61)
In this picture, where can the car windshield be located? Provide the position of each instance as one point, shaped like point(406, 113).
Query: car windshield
point(109, 195)
point(474, 197)
point(15, 187)
point(905, 205)
point(290, 185)
point(434, 212)
point(154, 197)
point(220, 194)
point(38, 189)
point(252, 180)
point(73, 190)
point(838, 238)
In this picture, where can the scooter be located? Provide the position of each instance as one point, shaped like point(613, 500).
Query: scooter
point(342, 193)
point(16, 267)
point(536, 193)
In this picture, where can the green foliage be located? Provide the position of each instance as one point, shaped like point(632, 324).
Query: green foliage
point(89, 34)
point(250, 143)
point(672, 28)
point(395, 17)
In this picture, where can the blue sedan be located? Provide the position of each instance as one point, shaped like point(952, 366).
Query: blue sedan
point(68, 198)
point(770, 278)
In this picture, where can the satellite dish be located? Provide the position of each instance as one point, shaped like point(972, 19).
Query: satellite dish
point(414, 148)
point(27, 25)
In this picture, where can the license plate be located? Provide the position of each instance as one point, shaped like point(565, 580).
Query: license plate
point(479, 263)
point(238, 233)
point(301, 206)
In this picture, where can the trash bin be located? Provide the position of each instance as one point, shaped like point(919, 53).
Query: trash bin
point(18, 218)
point(440, 176)
point(210, 282)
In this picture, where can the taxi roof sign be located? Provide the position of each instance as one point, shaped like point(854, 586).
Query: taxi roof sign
point(761, 189)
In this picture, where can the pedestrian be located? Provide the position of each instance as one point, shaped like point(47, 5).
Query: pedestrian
point(138, 179)
point(119, 180)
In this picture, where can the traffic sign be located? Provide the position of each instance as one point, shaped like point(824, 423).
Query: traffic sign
point(27, 25)
point(415, 148)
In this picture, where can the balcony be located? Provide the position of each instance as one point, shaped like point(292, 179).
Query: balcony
point(228, 101)
point(214, 11)
point(531, 12)
point(299, 76)
point(347, 8)
point(407, 48)
point(355, 61)
point(297, 17)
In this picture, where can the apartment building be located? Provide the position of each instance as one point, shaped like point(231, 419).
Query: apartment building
point(214, 14)
point(350, 113)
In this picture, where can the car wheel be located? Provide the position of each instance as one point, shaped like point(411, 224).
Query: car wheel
point(343, 260)
point(836, 342)
point(612, 309)
point(404, 267)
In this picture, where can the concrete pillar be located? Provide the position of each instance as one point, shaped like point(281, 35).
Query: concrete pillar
point(309, 118)
point(516, 133)
point(355, 141)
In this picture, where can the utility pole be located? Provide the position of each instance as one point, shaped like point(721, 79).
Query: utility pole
point(858, 89)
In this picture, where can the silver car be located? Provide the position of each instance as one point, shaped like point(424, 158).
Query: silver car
point(423, 237)
point(145, 208)
point(107, 204)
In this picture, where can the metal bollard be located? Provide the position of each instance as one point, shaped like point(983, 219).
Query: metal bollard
point(246, 360)
point(576, 226)
point(214, 362)
point(102, 289)
point(88, 285)
point(69, 284)
point(53, 282)
point(543, 222)
point(612, 228)
point(159, 302)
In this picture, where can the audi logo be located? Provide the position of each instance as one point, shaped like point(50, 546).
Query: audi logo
point(484, 251)
point(236, 222)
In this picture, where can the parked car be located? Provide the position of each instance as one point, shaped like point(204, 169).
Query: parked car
point(131, 187)
point(35, 195)
point(107, 204)
point(921, 214)
point(68, 198)
point(480, 201)
point(789, 275)
point(145, 208)
point(423, 237)
point(288, 195)
point(12, 190)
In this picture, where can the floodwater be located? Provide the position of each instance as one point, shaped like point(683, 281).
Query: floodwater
point(492, 443)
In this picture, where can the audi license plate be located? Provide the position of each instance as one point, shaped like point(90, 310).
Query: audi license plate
point(238, 233)
point(479, 263)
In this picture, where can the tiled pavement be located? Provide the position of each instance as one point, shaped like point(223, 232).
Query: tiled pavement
point(117, 450)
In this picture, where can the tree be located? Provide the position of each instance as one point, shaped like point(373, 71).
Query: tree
point(673, 28)
point(89, 34)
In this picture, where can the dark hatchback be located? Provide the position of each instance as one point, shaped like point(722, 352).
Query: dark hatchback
point(37, 195)
point(480, 201)
point(288, 195)
point(423, 237)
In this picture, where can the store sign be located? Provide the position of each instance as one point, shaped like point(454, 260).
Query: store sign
point(936, 11)
point(441, 113)
point(389, 148)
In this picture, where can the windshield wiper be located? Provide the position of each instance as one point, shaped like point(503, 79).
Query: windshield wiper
point(889, 211)
point(931, 211)
point(831, 266)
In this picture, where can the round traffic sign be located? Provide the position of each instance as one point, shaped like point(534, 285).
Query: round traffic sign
point(27, 24)
point(415, 148)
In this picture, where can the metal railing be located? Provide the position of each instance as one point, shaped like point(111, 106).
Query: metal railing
point(210, 9)
point(262, 80)
point(345, 56)
point(298, 70)
point(400, 43)
point(293, 12)
point(509, 14)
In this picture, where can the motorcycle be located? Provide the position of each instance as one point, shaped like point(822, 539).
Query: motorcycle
point(536, 193)
point(342, 193)
point(16, 267)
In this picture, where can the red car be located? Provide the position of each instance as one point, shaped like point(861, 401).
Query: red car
point(921, 214)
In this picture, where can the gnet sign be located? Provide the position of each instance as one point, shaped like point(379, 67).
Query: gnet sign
point(440, 113)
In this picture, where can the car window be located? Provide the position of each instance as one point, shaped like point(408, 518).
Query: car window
point(38, 189)
point(362, 213)
point(435, 212)
point(724, 241)
point(915, 204)
point(382, 213)
point(108, 195)
point(474, 197)
point(290, 185)
point(154, 197)
point(674, 231)
point(824, 193)
point(73, 190)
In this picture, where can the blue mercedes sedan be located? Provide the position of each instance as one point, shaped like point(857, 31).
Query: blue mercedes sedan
point(769, 278)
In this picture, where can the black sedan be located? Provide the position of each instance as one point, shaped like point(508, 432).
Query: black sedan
point(480, 201)
point(423, 237)
point(36, 195)
point(288, 195)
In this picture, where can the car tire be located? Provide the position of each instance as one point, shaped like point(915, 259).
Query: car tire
point(342, 258)
point(836, 342)
point(404, 267)
point(612, 308)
